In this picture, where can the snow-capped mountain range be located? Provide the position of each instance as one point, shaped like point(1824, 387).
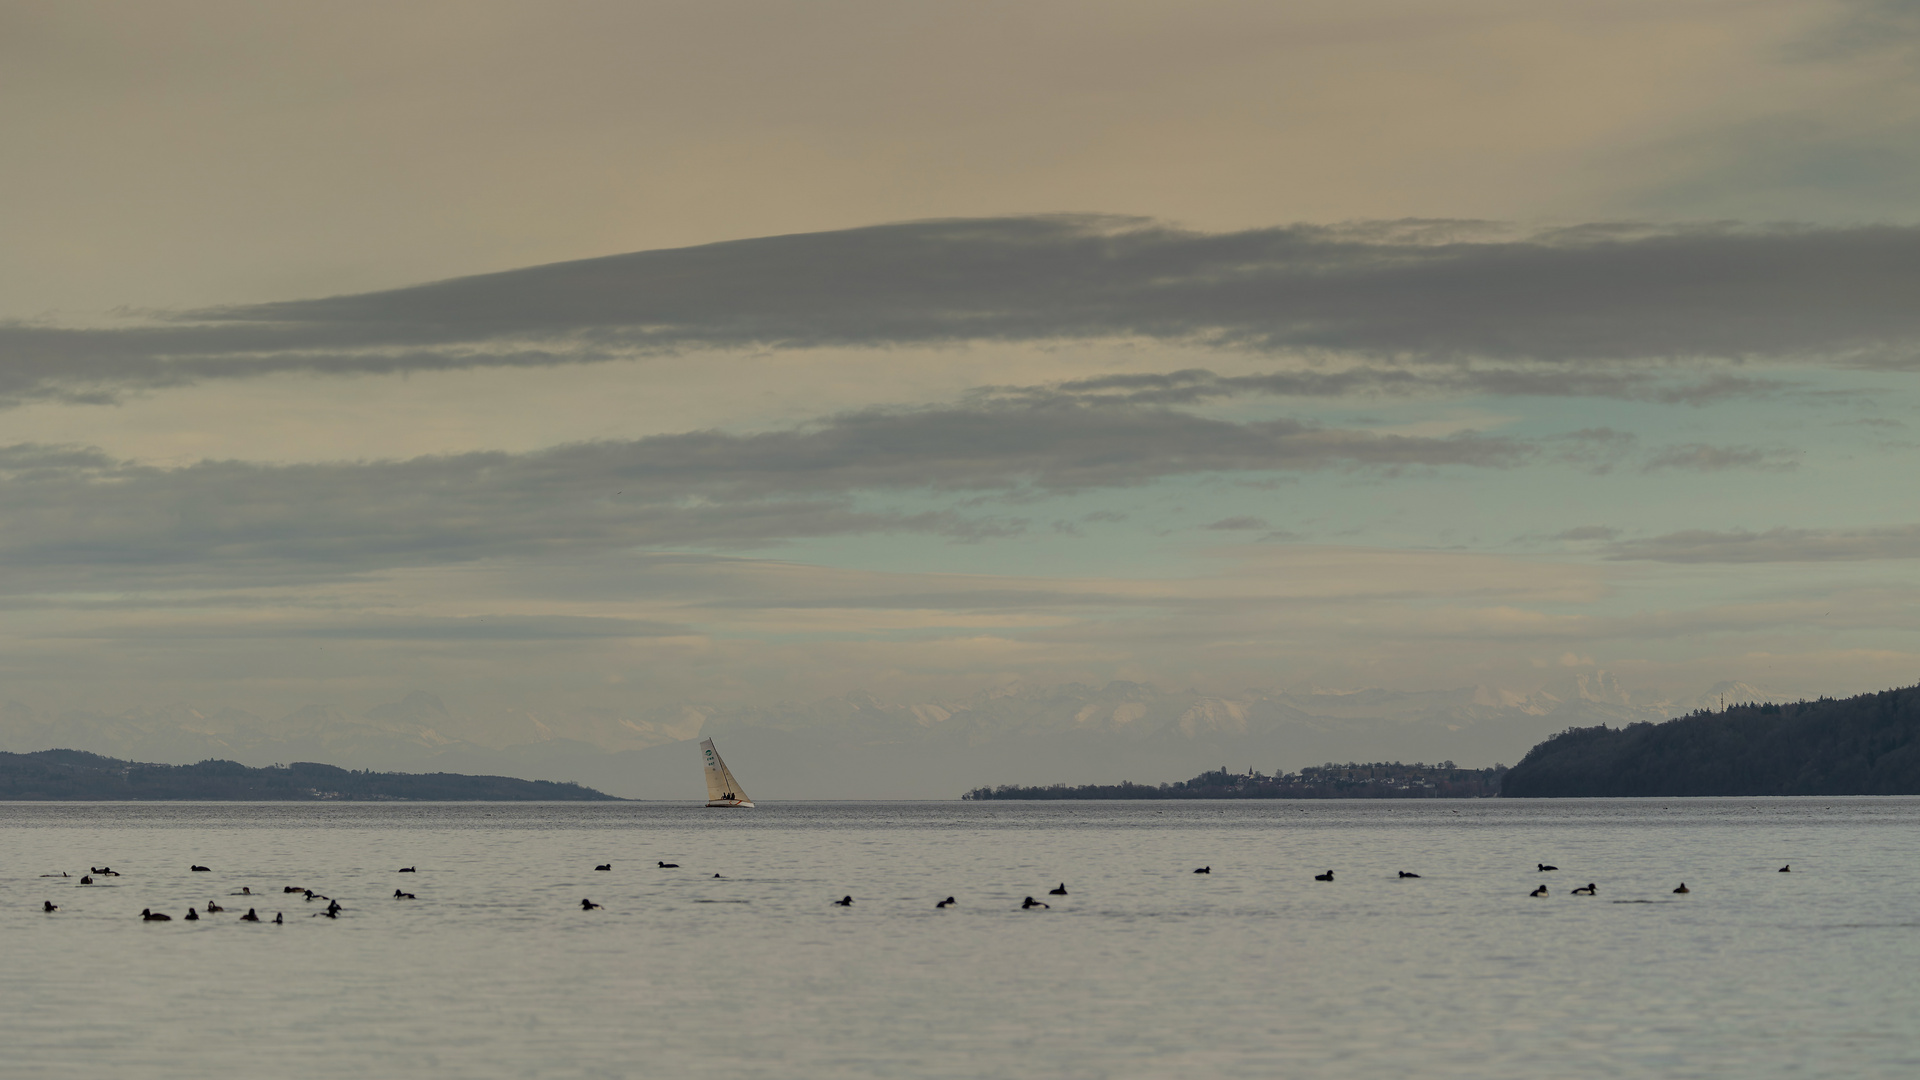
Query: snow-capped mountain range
point(861, 747)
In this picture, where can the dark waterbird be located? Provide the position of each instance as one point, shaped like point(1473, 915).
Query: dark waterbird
point(1683, 890)
point(333, 908)
point(48, 905)
point(398, 895)
point(201, 869)
point(213, 908)
point(1204, 870)
point(86, 879)
point(250, 916)
point(277, 920)
point(192, 915)
point(845, 901)
point(1030, 902)
point(105, 871)
point(1541, 891)
point(604, 866)
point(406, 870)
point(948, 902)
point(1787, 869)
point(1543, 867)
point(244, 891)
point(1328, 876)
point(1061, 890)
point(1589, 889)
point(292, 889)
point(1403, 873)
point(588, 905)
point(666, 865)
point(154, 916)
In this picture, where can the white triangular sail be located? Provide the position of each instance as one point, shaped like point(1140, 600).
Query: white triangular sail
point(722, 788)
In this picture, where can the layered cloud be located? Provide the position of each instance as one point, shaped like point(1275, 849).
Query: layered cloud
point(1570, 311)
point(70, 506)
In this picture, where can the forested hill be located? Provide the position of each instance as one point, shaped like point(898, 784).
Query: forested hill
point(79, 776)
point(1866, 745)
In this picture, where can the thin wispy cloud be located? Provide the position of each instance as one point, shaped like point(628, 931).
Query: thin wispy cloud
point(1781, 545)
point(1652, 383)
point(474, 628)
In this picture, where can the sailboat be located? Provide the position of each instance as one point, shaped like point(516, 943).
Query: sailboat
point(722, 788)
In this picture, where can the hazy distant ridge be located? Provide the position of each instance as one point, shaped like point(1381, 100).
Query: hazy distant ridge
point(73, 775)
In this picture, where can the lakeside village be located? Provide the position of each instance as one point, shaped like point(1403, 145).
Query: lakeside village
point(1378, 780)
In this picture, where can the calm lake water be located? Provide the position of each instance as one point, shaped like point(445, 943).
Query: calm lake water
point(1144, 969)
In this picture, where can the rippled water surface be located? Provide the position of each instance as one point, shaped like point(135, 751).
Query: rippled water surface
point(1145, 969)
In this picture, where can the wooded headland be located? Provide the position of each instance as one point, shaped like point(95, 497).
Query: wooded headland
point(1865, 745)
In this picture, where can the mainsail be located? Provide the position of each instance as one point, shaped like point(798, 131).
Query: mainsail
point(722, 788)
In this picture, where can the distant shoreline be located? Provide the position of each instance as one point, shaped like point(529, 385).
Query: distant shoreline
point(1375, 780)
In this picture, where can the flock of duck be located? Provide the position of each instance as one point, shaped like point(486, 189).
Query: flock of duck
point(334, 908)
point(331, 911)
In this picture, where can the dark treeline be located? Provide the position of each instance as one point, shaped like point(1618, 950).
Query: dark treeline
point(79, 776)
point(1862, 745)
point(1379, 780)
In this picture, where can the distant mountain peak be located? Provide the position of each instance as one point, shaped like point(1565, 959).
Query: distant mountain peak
point(418, 707)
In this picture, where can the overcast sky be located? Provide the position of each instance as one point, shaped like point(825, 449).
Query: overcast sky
point(573, 356)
